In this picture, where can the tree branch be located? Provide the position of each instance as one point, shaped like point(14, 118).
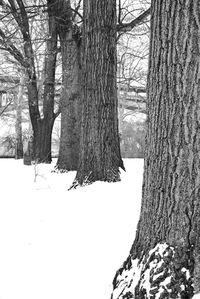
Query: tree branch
point(76, 11)
point(119, 12)
point(24, 21)
point(136, 89)
point(56, 114)
point(4, 109)
point(14, 12)
point(124, 27)
point(9, 47)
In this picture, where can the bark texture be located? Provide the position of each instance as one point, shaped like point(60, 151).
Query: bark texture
point(44, 127)
point(100, 156)
point(70, 102)
point(18, 123)
point(167, 243)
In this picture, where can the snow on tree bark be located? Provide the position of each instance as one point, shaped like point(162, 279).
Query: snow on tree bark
point(170, 209)
point(100, 156)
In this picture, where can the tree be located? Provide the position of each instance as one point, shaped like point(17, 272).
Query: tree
point(99, 157)
point(70, 43)
point(43, 125)
point(164, 261)
point(19, 13)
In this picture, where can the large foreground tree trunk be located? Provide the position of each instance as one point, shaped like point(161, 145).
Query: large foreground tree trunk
point(70, 101)
point(164, 261)
point(100, 156)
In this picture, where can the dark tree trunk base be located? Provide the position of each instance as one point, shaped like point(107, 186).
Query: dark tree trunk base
point(19, 155)
point(43, 160)
point(27, 160)
point(42, 141)
point(57, 169)
point(163, 273)
point(111, 176)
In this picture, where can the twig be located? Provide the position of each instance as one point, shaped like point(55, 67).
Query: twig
point(5, 108)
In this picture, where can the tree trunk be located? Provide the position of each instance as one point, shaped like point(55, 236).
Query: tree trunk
point(70, 106)
point(164, 261)
point(100, 156)
point(18, 124)
point(42, 140)
point(21, 16)
point(43, 125)
point(70, 102)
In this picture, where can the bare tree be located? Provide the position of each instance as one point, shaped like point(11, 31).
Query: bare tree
point(19, 13)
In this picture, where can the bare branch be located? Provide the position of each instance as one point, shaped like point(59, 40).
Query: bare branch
point(4, 109)
point(76, 11)
point(14, 12)
point(136, 89)
point(124, 27)
point(56, 114)
point(120, 11)
point(9, 47)
point(24, 26)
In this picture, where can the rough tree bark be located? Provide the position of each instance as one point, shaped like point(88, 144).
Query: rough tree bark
point(18, 123)
point(164, 261)
point(70, 101)
point(43, 127)
point(99, 157)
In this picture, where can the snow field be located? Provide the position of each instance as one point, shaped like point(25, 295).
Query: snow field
point(64, 244)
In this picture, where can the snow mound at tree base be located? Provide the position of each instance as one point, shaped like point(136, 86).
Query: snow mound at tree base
point(157, 276)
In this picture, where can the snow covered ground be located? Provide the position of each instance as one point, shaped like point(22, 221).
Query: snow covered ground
point(60, 244)
point(64, 244)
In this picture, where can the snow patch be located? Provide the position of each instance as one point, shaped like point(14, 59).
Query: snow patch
point(129, 279)
point(160, 251)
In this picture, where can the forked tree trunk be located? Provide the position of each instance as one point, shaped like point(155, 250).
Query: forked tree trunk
point(18, 123)
point(43, 125)
point(100, 156)
point(70, 101)
point(164, 261)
